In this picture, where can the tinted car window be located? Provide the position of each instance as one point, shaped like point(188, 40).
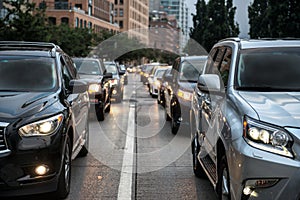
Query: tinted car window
point(111, 68)
point(190, 70)
point(27, 73)
point(90, 67)
point(269, 69)
point(159, 73)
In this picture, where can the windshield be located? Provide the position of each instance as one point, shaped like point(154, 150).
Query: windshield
point(90, 67)
point(159, 73)
point(269, 69)
point(111, 68)
point(190, 70)
point(25, 73)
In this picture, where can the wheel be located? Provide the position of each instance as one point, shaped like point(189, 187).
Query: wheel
point(63, 186)
point(100, 113)
point(223, 189)
point(198, 170)
point(85, 148)
point(174, 125)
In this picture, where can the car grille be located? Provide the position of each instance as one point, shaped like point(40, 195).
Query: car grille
point(3, 145)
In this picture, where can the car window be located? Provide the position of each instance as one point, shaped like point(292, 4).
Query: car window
point(269, 69)
point(225, 66)
point(25, 73)
point(188, 72)
point(90, 67)
point(159, 73)
point(111, 68)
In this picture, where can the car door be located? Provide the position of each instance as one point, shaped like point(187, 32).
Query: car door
point(210, 107)
point(77, 101)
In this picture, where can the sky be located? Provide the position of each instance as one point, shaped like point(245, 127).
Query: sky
point(241, 15)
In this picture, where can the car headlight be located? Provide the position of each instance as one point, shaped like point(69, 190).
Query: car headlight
point(185, 95)
point(42, 127)
point(267, 137)
point(94, 88)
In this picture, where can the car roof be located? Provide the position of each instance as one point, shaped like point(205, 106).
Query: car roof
point(264, 42)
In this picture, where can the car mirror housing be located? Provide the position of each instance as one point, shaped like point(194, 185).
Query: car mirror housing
point(108, 75)
point(209, 83)
point(78, 86)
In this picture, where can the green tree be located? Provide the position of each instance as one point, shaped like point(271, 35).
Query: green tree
point(23, 22)
point(275, 19)
point(213, 21)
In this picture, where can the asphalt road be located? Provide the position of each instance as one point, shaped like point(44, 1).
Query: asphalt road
point(134, 155)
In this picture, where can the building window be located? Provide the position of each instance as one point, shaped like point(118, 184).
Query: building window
point(76, 22)
point(84, 24)
point(65, 20)
point(81, 22)
point(121, 2)
point(90, 25)
point(116, 12)
point(61, 4)
point(121, 24)
point(52, 20)
point(116, 2)
point(121, 12)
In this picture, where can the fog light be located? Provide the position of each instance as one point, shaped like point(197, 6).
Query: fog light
point(114, 92)
point(41, 170)
point(247, 190)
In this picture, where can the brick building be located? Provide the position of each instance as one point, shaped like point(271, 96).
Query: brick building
point(93, 14)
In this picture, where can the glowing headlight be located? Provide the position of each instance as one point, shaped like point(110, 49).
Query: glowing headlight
point(43, 127)
point(267, 137)
point(93, 88)
point(185, 95)
point(157, 83)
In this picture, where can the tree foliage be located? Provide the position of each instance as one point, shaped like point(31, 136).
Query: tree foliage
point(213, 21)
point(274, 19)
point(25, 22)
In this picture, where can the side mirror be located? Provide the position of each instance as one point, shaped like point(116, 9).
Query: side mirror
point(78, 86)
point(108, 75)
point(121, 73)
point(209, 83)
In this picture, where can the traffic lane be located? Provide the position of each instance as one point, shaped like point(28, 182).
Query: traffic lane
point(97, 176)
point(164, 160)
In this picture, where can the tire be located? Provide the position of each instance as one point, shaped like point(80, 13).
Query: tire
point(64, 180)
point(197, 168)
point(223, 187)
point(174, 126)
point(100, 113)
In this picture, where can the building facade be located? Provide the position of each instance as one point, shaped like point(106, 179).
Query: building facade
point(132, 16)
point(179, 9)
point(92, 14)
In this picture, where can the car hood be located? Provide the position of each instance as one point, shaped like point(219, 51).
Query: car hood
point(23, 104)
point(276, 108)
point(187, 86)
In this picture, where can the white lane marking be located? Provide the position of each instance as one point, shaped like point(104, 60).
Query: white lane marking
point(125, 185)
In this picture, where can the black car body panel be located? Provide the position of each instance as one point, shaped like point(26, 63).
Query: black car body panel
point(36, 126)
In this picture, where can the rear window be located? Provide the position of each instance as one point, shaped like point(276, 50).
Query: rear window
point(89, 67)
point(25, 73)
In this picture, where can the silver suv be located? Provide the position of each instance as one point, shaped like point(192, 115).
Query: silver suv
point(245, 119)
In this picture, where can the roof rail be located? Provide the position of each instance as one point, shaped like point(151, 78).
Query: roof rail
point(236, 39)
point(13, 45)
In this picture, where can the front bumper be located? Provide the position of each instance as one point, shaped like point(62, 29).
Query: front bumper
point(248, 165)
point(17, 170)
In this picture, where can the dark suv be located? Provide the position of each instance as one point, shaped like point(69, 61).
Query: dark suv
point(178, 94)
point(117, 81)
point(245, 130)
point(93, 71)
point(43, 119)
